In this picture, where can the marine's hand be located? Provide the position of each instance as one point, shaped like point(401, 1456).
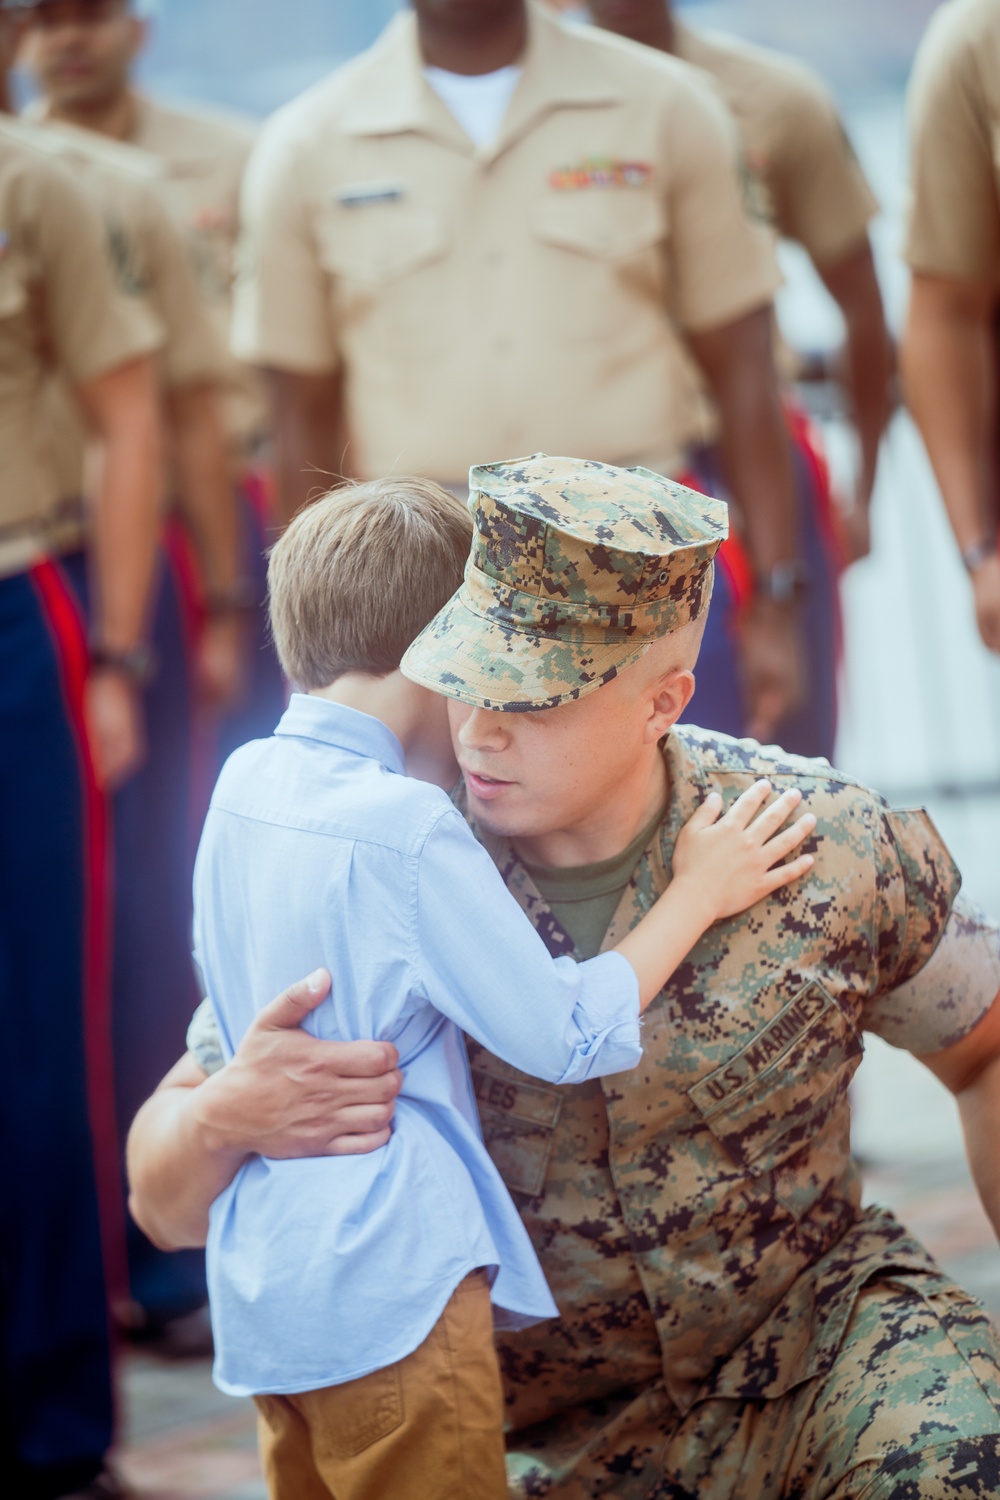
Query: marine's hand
point(772, 667)
point(986, 594)
point(729, 862)
point(113, 719)
point(287, 1094)
point(220, 661)
point(857, 533)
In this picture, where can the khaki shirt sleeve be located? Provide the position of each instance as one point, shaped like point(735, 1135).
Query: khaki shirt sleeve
point(937, 959)
point(723, 263)
point(93, 328)
point(820, 195)
point(954, 216)
point(282, 313)
point(193, 351)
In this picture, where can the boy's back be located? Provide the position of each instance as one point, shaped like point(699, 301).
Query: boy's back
point(324, 1269)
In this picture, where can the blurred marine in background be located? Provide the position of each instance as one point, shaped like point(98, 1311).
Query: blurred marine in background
point(490, 234)
point(808, 186)
point(70, 729)
point(953, 248)
point(168, 184)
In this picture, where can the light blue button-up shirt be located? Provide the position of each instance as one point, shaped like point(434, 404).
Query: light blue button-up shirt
point(318, 849)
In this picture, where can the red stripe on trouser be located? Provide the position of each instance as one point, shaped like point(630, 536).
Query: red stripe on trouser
point(732, 557)
point(257, 484)
point(66, 628)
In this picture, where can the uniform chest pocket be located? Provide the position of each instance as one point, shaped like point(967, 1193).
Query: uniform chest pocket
point(391, 289)
point(519, 1121)
point(775, 1095)
point(602, 261)
point(379, 242)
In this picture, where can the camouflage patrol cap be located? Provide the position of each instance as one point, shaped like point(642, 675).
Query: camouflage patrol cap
point(576, 568)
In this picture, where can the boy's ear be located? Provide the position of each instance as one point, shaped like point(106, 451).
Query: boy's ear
point(670, 696)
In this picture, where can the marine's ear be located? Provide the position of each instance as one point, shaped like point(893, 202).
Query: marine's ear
point(669, 697)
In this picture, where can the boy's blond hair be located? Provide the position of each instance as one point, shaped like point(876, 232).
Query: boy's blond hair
point(360, 572)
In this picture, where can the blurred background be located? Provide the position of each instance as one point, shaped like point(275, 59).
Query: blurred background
point(920, 695)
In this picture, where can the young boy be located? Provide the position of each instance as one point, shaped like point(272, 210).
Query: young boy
point(352, 1296)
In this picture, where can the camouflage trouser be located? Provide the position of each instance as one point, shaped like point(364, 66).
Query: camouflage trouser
point(908, 1410)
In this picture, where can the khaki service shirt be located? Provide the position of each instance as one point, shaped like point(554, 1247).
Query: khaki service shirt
point(60, 310)
point(201, 157)
point(811, 188)
point(523, 296)
point(204, 155)
point(152, 271)
point(804, 179)
point(953, 105)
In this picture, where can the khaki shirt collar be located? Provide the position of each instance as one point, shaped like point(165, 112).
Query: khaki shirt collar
point(394, 97)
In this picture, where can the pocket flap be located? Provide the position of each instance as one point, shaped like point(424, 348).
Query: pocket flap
point(518, 1120)
point(771, 1096)
point(602, 222)
point(380, 240)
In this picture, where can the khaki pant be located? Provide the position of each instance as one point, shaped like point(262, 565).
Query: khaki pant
point(427, 1428)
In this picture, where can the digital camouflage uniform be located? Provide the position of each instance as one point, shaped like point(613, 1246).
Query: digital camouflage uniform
point(734, 1326)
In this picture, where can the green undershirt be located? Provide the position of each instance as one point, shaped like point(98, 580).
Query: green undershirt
point(584, 898)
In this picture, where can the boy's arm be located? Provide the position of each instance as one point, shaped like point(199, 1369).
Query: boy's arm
point(284, 1094)
point(482, 964)
point(722, 866)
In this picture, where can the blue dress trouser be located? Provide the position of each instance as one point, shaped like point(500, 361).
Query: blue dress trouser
point(56, 1358)
point(153, 992)
point(265, 697)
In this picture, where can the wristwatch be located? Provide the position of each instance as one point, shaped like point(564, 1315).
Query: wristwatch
point(785, 584)
point(973, 557)
point(138, 663)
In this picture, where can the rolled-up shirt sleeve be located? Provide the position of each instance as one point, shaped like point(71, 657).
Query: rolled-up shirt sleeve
point(482, 964)
point(204, 1040)
point(950, 994)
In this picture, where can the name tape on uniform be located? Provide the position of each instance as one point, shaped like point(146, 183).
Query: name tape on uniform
point(362, 194)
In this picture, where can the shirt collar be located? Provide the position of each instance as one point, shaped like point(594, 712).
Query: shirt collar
point(393, 96)
point(309, 718)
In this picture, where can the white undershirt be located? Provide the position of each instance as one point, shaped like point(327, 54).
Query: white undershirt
point(478, 101)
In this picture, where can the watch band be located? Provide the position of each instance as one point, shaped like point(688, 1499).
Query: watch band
point(138, 663)
point(785, 584)
point(980, 552)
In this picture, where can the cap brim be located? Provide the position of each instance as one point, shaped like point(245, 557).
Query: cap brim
point(487, 664)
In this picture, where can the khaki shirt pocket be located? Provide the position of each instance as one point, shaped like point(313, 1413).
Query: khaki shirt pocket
point(603, 258)
point(389, 264)
point(519, 1121)
point(774, 1096)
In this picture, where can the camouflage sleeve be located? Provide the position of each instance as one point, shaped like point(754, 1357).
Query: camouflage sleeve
point(203, 1039)
point(950, 994)
point(934, 978)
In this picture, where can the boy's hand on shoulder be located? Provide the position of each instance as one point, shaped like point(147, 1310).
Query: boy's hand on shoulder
point(287, 1094)
point(727, 863)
